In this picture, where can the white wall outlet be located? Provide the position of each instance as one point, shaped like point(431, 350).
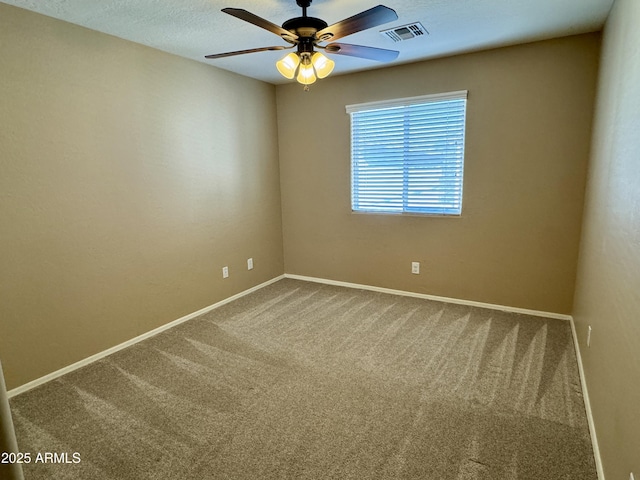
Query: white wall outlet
point(415, 268)
point(589, 336)
point(225, 272)
point(249, 263)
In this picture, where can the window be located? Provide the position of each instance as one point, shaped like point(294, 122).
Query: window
point(407, 155)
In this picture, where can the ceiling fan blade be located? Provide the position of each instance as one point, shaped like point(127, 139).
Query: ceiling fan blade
point(242, 52)
point(369, 18)
point(371, 53)
point(260, 22)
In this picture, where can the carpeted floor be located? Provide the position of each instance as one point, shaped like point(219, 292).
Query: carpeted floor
point(308, 381)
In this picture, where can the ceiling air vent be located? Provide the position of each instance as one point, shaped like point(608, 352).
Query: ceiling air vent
point(405, 32)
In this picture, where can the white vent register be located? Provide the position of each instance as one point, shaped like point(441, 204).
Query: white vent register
point(405, 32)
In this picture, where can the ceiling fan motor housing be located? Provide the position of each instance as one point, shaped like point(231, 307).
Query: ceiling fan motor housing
point(304, 26)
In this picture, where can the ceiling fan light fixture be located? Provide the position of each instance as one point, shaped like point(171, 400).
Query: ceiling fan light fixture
point(287, 66)
point(308, 67)
point(323, 65)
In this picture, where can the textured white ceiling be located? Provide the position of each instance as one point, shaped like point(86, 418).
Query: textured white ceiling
point(195, 28)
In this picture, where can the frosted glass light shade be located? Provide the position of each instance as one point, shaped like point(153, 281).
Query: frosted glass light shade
point(306, 75)
point(322, 64)
point(287, 66)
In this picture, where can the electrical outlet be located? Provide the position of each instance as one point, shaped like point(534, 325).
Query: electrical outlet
point(225, 272)
point(249, 263)
point(589, 336)
point(415, 268)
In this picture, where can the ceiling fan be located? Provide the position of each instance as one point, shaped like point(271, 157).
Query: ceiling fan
point(306, 35)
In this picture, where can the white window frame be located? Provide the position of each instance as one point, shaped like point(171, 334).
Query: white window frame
point(407, 198)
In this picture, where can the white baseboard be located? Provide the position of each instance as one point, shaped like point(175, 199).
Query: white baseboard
point(471, 303)
point(587, 404)
point(70, 368)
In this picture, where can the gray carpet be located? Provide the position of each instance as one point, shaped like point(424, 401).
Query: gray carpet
point(308, 381)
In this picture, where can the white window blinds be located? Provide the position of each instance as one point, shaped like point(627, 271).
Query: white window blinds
point(407, 155)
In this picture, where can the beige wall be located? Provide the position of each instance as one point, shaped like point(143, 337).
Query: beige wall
point(527, 144)
point(129, 177)
point(608, 286)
